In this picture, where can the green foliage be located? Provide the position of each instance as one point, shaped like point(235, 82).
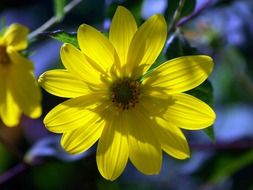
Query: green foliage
point(234, 76)
point(55, 172)
point(59, 9)
point(187, 9)
point(64, 37)
point(105, 185)
point(226, 165)
point(117, 185)
point(203, 92)
point(179, 46)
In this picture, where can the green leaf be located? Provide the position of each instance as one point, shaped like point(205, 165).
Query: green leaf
point(203, 92)
point(189, 7)
point(64, 37)
point(178, 46)
point(59, 9)
point(229, 165)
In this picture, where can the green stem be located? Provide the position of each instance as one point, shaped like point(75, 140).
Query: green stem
point(15, 171)
point(53, 20)
point(176, 16)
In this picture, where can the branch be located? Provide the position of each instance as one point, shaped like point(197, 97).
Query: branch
point(23, 167)
point(53, 19)
point(17, 170)
point(194, 14)
point(238, 145)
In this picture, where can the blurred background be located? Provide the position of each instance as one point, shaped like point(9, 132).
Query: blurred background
point(221, 158)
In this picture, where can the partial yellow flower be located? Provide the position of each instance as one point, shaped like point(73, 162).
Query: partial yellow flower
point(129, 117)
point(20, 92)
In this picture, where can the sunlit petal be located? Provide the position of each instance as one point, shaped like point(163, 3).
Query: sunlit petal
point(97, 47)
point(172, 140)
point(189, 112)
point(62, 83)
point(146, 45)
point(112, 151)
point(144, 148)
point(180, 74)
point(74, 113)
point(82, 138)
point(124, 22)
point(74, 61)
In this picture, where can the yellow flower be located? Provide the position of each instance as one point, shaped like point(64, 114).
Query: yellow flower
point(131, 118)
point(20, 92)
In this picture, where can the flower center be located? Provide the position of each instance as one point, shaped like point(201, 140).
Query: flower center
point(125, 93)
point(4, 58)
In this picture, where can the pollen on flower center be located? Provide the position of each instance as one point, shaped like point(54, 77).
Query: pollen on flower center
point(125, 93)
point(4, 58)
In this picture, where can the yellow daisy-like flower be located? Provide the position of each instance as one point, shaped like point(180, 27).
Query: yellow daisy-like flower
point(20, 92)
point(131, 118)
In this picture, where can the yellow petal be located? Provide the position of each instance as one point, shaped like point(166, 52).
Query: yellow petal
point(97, 47)
point(74, 113)
point(112, 151)
point(172, 140)
point(180, 74)
point(15, 36)
point(121, 32)
point(63, 83)
point(144, 148)
point(16, 58)
point(74, 61)
point(155, 106)
point(25, 89)
point(146, 45)
point(9, 111)
point(189, 112)
point(82, 138)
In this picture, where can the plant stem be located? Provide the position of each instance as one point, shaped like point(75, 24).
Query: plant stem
point(194, 14)
point(23, 167)
point(15, 171)
point(10, 174)
point(176, 16)
point(53, 20)
point(239, 145)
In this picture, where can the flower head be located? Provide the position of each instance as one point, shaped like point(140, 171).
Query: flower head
point(130, 116)
point(20, 92)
